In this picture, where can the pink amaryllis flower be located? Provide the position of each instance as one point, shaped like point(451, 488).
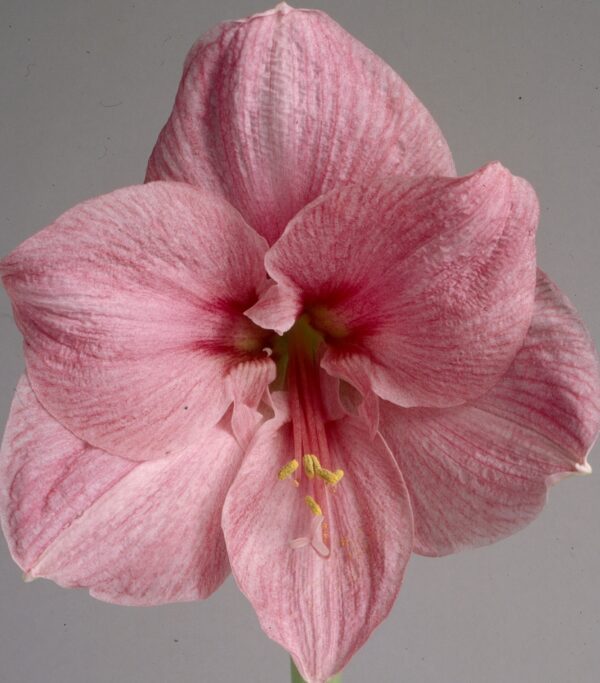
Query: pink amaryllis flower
point(304, 352)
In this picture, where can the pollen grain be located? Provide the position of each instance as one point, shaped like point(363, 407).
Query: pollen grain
point(311, 465)
point(330, 477)
point(315, 508)
point(288, 469)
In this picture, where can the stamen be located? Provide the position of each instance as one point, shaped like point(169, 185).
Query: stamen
point(330, 477)
point(315, 508)
point(288, 469)
point(311, 465)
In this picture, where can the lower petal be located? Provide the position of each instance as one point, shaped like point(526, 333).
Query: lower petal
point(481, 472)
point(320, 609)
point(133, 533)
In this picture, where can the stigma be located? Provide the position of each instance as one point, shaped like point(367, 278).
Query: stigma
point(318, 531)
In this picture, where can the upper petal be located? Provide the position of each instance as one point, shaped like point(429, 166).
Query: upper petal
point(133, 533)
point(319, 609)
point(422, 287)
point(480, 472)
point(274, 110)
point(131, 306)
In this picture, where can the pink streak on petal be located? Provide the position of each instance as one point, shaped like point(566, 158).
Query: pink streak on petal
point(133, 533)
point(131, 306)
point(336, 601)
point(333, 408)
point(481, 472)
point(39, 496)
point(425, 286)
point(277, 109)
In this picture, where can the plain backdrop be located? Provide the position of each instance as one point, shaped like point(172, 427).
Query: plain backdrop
point(85, 88)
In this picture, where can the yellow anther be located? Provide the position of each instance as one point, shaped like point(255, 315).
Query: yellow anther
point(315, 508)
point(311, 465)
point(330, 477)
point(288, 469)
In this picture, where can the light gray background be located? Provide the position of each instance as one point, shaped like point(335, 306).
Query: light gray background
point(85, 88)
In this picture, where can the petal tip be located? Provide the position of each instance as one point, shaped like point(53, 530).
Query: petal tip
point(493, 177)
point(580, 470)
point(280, 8)
point(492, 169)
point(583, 468)
point(277, 309)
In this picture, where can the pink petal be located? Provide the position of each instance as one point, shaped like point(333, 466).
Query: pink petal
point(274, 110)
point(277, 309)
point(248, 384)
point(480, 472)
point(423, 287)
point(133, 533)
point(131, 306)
point(319, 609)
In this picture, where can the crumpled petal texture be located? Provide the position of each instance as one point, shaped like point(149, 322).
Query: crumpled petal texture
point(320, 610)
point(131, 307)
point(133, 533)
point(480, 472)
point(277, 109)
point(423, 287)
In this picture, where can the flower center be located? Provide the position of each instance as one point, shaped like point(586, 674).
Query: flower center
point(310, 470)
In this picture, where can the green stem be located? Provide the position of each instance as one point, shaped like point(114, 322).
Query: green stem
point(297, 678)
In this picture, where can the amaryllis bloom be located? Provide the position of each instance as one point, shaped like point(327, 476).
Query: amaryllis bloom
point(302, 351)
